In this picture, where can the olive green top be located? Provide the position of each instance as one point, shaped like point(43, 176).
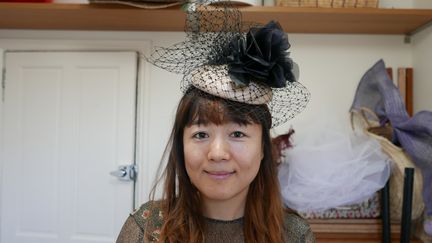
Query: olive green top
point(297, 229)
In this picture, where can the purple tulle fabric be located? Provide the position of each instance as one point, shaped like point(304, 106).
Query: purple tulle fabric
point(377, 92)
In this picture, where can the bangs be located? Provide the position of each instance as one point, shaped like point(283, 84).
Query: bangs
point(207, 109)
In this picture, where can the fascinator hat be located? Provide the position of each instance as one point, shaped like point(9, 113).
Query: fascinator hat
point(240, 62)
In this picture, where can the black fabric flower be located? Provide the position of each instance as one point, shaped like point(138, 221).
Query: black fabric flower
point(261, 57)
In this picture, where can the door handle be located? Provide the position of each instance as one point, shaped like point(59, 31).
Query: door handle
point(125, 173)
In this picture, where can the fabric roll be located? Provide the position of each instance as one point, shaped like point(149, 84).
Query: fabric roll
point(377, 92)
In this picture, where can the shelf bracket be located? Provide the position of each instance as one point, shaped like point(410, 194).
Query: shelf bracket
point(409, 35)
point(407, 39)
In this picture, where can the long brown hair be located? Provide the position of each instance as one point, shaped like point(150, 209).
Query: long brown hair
point(183, 220)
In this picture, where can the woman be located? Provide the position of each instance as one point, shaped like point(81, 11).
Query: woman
point(227, 184)
point(220, 181)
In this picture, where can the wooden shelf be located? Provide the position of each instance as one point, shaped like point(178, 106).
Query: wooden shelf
point(51, 16)
point(352, 230)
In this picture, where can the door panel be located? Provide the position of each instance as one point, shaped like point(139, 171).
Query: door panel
point(69, 119)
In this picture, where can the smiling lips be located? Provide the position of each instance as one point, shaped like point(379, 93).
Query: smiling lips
point(219, 175)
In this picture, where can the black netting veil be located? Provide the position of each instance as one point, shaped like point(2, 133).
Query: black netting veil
point(209, 29)
point(243, 62)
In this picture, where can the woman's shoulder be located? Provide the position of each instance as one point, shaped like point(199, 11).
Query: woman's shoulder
point(297, 229)
point(295, 221)
point(149, 217)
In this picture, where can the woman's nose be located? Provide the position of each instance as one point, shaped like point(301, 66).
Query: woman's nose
point(219, 150)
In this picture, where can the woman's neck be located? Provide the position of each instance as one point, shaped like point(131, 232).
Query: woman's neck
point(230, 209)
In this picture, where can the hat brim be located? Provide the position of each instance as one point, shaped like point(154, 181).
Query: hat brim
point(215, 80)
point(284, 103)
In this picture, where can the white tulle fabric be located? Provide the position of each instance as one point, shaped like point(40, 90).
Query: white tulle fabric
point(329, 169)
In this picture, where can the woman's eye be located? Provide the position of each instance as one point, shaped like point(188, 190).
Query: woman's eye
point(200, 135)
point(238, 134)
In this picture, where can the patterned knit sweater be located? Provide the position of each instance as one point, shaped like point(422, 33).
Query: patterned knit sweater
point(296, 229)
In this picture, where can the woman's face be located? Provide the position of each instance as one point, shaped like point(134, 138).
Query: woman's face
point(222, 160)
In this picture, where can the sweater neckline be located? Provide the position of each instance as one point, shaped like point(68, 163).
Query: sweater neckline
point(221, 221)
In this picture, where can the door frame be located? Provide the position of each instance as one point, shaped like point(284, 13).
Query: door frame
point(80, 41)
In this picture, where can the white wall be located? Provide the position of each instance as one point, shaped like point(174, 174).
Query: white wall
point(396, 3)
point(422, 56)
point(422, 70)
point(427, 4)
point(330, 67)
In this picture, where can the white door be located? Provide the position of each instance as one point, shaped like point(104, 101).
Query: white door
point(68, 121)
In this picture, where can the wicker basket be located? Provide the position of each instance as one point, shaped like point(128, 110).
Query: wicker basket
point(328, 3)
point(401, 160)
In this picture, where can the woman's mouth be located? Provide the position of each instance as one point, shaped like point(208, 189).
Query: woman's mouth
point(219, 175)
